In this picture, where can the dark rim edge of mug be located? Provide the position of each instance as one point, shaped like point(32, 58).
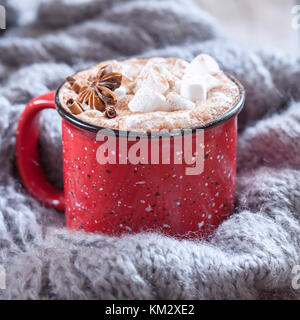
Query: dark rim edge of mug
point(152, 134)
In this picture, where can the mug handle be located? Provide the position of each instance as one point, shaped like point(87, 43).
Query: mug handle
point(27, 155)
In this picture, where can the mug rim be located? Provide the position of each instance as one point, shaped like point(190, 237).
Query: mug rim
point(235, 110)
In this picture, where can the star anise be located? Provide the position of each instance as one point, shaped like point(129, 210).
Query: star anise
point(98, 93)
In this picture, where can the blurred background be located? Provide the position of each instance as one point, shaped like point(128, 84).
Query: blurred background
point(261, 23)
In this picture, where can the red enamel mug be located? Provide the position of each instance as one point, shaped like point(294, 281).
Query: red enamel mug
point(118, 196)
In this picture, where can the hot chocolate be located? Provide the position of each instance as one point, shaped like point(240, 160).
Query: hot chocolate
point(180, 184)
point(150, 94)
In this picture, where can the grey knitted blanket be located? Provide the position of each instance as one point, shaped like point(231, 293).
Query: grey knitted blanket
point(250, 256)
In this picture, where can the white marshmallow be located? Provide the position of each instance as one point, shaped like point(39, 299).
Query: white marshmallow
point(177, 86)
point(202, 64)
point(120, 92)
point(177, 102)
point(204, 83)
point(147, 100)
point(209, 80)
point(193, 90)
point(153, 76)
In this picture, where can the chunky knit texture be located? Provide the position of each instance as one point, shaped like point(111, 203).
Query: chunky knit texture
point(250, 256)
